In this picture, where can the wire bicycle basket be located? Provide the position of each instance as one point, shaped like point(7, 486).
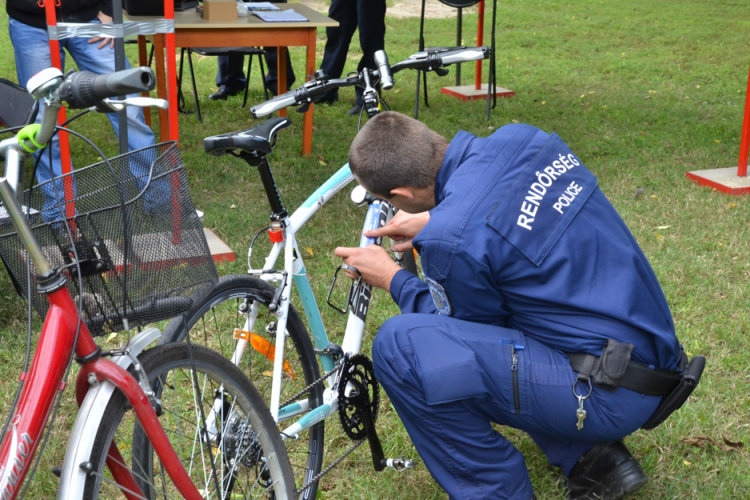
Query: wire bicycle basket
point(140, 247)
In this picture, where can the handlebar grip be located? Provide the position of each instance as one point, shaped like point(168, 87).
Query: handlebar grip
point(463, 55)
point(275, 104)
point(386, 77)
point(85, 89)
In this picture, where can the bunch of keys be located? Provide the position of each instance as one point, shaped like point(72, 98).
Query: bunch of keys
point(580, 412)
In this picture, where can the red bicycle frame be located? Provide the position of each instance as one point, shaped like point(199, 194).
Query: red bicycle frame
point(45, 378)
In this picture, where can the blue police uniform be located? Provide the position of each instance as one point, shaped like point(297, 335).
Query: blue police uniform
point(524, 260)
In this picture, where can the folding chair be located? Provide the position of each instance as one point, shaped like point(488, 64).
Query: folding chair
point(218, 51)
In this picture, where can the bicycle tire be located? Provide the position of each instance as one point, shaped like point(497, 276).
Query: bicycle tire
point(213, 322)
point(245, 447)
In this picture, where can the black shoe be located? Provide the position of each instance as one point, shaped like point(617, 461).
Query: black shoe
point(356, 110)
point(606, 472)
point(223, 93)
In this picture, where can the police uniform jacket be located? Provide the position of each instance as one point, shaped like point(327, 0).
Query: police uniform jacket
point(521, 237)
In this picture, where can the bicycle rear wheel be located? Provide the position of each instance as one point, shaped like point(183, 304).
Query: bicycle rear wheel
point(226, 310)
point(217, 423)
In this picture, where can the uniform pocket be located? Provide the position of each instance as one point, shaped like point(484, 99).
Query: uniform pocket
point(456, 367)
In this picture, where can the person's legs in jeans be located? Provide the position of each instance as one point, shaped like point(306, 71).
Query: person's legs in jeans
point(32, 55)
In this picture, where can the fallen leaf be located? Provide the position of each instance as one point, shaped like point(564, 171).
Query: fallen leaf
point(654, 196)
point(320, 157)
point(112, 336)
point(322, 162)
point(233, 206)
point(663, 227)
point(732, 205)
point(309, 250)
point(686, 462)
point(702, 442)
point(659, 237)
point(638, 193)
point(732, 444)
point(544, 102)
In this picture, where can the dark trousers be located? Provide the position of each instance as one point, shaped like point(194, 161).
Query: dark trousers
point(231, 74)
point(369, 17)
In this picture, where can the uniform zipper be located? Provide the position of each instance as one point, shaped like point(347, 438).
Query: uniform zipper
point(514, 369)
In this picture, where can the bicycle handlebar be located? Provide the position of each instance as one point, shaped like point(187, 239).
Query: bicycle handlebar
point(427, 60)
point(85, 89)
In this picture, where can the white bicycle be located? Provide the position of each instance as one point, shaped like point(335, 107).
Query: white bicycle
point(250, 317)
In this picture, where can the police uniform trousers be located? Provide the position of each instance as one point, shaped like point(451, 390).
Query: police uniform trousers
point(450, 379)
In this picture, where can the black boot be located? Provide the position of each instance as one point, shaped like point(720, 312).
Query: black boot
point(606, 472)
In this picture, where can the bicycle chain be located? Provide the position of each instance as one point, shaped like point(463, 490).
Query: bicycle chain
point(348, 452)
point(328, 469)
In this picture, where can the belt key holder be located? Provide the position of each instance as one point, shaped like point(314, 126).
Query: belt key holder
point(352, 289)
point(581, 412)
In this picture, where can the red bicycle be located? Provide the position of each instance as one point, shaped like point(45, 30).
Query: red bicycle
point(110, 247)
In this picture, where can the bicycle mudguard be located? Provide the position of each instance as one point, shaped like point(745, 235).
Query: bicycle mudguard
point(83, 434)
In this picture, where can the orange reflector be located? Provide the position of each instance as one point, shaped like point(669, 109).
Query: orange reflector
point(264, 347)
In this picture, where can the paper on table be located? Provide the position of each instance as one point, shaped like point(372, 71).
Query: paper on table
point(261, 6)
point(280, 16)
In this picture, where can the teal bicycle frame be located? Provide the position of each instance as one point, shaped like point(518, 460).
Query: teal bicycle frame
point(295, 275)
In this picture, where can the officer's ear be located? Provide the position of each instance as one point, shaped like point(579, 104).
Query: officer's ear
point(405, 192)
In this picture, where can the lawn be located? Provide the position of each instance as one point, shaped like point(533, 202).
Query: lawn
point(642, 91)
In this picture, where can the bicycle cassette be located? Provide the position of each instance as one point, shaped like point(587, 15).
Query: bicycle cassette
point(363, 396)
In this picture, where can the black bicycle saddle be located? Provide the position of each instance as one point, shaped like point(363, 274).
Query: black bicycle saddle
point(258, 140)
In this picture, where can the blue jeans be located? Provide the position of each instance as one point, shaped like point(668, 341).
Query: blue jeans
point(31, 48)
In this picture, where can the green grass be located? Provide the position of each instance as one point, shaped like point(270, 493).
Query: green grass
point(642, 91)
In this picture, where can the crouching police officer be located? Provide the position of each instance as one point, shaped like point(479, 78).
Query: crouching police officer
point(538, 310)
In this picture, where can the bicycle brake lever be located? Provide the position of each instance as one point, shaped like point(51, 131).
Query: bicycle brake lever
point(441, 71)
point(303, 108)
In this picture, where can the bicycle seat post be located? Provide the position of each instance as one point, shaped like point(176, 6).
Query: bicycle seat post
point(278, 210)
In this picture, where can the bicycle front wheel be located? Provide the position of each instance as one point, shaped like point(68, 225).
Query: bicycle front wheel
point(217, 424)
point(239, 303)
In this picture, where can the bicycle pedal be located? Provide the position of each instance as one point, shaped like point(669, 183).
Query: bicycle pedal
point(400, 464)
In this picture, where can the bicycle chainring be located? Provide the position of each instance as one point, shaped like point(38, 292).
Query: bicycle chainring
point(364, 396)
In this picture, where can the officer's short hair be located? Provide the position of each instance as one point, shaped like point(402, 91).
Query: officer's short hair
point(393, 150)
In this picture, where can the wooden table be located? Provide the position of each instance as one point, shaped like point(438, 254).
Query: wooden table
point(193, 31)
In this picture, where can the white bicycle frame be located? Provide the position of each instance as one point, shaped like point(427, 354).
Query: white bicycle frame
point(295, 275)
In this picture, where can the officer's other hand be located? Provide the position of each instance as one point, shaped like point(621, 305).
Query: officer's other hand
point(373, 263)
point(402, 229)
point(104, 18)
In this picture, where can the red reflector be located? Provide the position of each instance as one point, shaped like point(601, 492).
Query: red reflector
point(276, 236)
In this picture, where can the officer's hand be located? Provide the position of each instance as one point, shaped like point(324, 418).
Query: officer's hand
point(373, 263)
point(402, 228)
point(104, 18)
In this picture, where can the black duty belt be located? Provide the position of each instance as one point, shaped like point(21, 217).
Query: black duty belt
point(631, 374)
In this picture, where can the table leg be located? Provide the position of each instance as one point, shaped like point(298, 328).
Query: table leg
point(307, 123)
point(143, 61)
point(161, 86)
